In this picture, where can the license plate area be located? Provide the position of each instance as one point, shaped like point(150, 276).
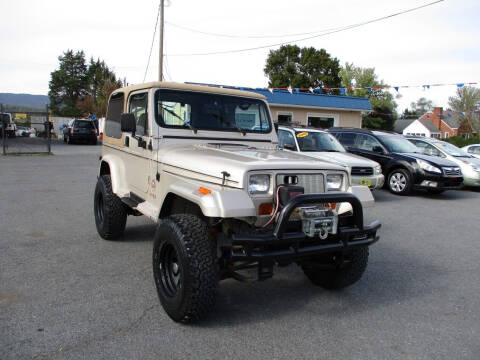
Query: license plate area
point(366, 182)
point(318, 221)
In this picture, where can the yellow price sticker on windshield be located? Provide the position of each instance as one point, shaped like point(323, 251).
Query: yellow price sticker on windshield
point(302, 134)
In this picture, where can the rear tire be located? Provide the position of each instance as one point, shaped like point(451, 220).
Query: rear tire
point(110, 212)
point(399, 182)
point(185, 268)
point(340, 276)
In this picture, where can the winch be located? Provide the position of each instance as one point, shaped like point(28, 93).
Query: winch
point(318, 222)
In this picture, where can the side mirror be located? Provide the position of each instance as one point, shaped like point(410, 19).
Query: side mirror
point(377, 149)
point(128, 123)
point(290, 147)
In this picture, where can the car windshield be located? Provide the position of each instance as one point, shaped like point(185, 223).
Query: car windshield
point(399, 144)
point(450, 149)
point(203, 111)
point(83, 124)
point(317, 141)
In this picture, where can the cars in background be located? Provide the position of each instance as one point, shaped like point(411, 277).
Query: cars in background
point(473, 150)
point(404, 167)
point(7, 122)
point(321, 145)
point(23, 131)
point(80, 130)
point(443, 150)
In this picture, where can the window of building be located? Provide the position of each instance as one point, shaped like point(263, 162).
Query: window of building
point(138, 107)
point(436, 136)
point(321, 122)
point(284, 117)
point(114, 111)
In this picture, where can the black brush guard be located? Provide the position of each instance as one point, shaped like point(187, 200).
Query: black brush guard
point(282, 245)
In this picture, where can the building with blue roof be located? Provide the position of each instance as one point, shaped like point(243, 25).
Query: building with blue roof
point(313, 109)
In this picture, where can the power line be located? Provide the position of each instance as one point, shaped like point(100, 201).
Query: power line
point(245, 36)
point(153, 41)
point(348, 27)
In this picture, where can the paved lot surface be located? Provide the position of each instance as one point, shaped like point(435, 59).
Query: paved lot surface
point(67, 294)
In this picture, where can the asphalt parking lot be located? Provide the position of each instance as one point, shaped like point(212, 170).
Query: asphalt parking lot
point(67, 294)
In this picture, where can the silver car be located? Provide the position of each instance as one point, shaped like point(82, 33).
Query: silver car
point(473, 150)
point(470, 165)
point(321, 145)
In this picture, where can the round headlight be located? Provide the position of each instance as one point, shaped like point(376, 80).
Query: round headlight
point(258, 184)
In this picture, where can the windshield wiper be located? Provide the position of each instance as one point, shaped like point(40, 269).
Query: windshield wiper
point(190, 126)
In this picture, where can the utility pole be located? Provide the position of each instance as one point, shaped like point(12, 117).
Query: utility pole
point(160, 60)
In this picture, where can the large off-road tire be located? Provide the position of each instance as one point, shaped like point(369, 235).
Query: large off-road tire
point(399, 182)
point(185, 267)
point(110, 213)
point(339, 276)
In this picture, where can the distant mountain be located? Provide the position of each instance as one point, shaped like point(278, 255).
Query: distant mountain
point(27, 100)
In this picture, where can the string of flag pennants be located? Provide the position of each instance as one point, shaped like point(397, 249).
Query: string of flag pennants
point(447, 114)
point(343, 90)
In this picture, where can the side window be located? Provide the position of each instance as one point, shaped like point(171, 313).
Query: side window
point(138, 107)
point(347, 139)
point(174, 113)
point(115, 109)
point(286, 137)
point(366, 142)
point(474, 150)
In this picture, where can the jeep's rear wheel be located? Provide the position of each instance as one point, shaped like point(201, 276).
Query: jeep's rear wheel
point(341, 272)
point(185, 268)
point(110, 213)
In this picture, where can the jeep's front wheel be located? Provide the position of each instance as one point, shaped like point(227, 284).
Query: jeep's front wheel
point(184, 267)
point(110, 213)
point(337, 271)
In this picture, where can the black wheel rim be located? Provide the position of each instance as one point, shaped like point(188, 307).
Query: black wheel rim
point(170, 270)
point(99, 207)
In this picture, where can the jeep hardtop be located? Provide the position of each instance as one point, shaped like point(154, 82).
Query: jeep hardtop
point(203, 162)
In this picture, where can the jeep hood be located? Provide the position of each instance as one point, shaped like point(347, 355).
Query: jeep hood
point(202, 161)
point(342, 158)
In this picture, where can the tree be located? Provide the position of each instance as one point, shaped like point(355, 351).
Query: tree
point(467, 100)
point(68, 83)
point(301, 68)
point(421, 106)
point(382, 101)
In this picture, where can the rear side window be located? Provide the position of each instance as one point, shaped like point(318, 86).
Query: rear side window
point(83, 124)
point(474, 150)
point(114, 111)
point(347, 139)
point(138, 107)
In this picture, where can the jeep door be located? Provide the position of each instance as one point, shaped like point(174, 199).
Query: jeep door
point(137, 146)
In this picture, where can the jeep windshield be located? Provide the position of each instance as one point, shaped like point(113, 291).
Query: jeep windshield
point(203, 111)
point(398, 144)
point(317, 141)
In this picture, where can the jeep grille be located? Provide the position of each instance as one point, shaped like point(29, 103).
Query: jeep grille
point(312, 183)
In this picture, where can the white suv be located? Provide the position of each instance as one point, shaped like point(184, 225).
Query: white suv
point(321, 145)
point(204, 163)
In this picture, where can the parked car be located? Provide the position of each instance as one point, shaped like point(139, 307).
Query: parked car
point(80, 130)
point(7, 122)
point(321, 145)
point(23, 131)
point(225, 198)
point(470, 165)
point(404, 167)
point(473, 150)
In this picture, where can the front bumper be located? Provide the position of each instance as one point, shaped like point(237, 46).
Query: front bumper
point(285, 245)
point(443, 182)
point(372, 181)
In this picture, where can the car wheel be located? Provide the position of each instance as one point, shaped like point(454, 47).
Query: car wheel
point(399, 182)
point(185, 268)
point(110, 212)
point(337, 271)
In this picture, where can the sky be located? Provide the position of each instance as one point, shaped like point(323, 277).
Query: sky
point(438, 44)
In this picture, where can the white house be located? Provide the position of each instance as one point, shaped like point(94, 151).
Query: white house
point(417, 127)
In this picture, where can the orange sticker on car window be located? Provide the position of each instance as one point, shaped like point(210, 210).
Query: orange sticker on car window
point(302, 134)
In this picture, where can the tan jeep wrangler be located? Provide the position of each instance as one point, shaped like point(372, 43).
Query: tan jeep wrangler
point(204, 163)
